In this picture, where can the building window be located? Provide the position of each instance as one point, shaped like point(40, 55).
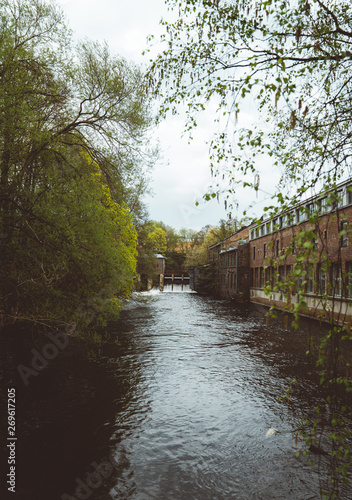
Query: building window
point(293, 247)
point(315, 240)
point(262, 231)
point(268, 227)
point(349, 195)
point(256, 283)
point(261, 278)
point(336, 279)
point(275, 276)
point(344, 237)
point(299, 283)
point(322, 205)
point(281, 276)
point(268, 274)
point(337, 199)
point(277, 248)
point(298, 216)
point(310, 208)
point(349, 279)
point(290, 219)
point(253, 253)
point(322, 279)
point(310, 278)
point(264, 250)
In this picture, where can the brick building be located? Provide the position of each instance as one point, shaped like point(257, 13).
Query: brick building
point(232, 258)
point(307, 248)
point(312, 238)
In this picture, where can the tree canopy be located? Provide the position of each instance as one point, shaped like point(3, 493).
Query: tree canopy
point(292, 59)
point(74, 152)
point(197, 255)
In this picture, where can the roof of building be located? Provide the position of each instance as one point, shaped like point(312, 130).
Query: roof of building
point(159, 256)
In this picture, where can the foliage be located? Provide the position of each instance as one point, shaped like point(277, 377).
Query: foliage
point(318, 280)
point(157, 237)
point(198, 254)
point(292, 60)
point(83, 246)
point(73, 145)
point(171, 235)
point(196, 257)
point(157, 240)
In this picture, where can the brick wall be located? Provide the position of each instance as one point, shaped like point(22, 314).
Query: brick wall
point(273, 253)
point(328, 287)
point(234, 266)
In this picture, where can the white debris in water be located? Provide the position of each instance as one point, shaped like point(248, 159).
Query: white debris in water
point(271, 432)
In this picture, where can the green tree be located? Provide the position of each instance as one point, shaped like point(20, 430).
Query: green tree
point(151, 240)
point(79, 246)
point(73, 148)
point(186, 237)
point(292, 59)
point(173, 251)
point(157, 240)
point(171, 235)
point(198, 254)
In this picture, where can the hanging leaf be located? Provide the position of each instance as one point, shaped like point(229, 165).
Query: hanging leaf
point(293, 120)
point(298, 34)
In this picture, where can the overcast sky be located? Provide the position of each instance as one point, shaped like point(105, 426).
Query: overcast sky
point(182, 175)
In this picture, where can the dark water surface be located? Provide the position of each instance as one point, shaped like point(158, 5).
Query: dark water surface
point(178, 411)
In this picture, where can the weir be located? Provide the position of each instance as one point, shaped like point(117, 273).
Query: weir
point(174, 283)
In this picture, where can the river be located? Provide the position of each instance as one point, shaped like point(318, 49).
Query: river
point(178, 410)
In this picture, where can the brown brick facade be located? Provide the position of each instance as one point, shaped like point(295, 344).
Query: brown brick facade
point(276, 249)
point(234, 273)
point(232, 257)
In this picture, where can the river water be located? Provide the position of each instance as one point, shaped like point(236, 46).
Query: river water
point(179, 410)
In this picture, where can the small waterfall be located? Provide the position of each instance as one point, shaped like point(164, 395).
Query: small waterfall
point(177, 284)
point(176, 288)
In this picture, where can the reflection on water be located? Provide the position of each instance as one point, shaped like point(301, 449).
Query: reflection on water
point(181, 408)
